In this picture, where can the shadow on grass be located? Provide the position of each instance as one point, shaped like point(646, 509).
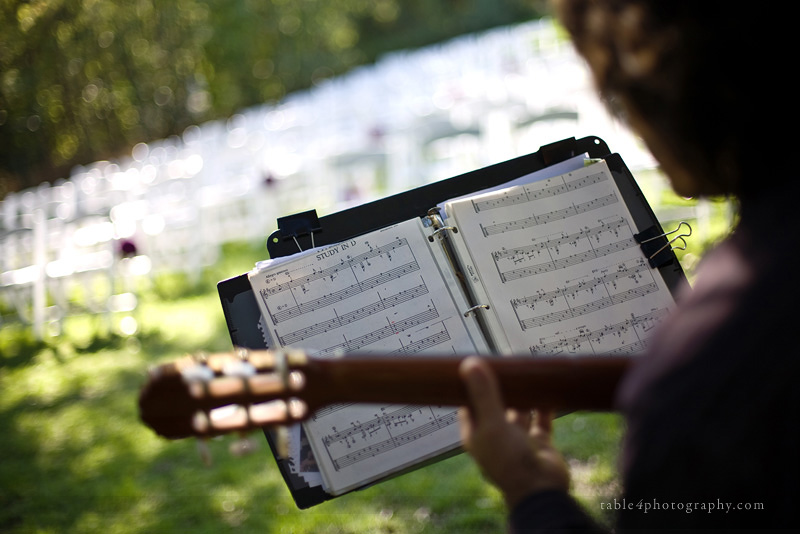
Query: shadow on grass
point(77, 459)
point(18, 345)
point(82, 462)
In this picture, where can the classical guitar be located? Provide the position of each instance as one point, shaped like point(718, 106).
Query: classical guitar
point(240, 391)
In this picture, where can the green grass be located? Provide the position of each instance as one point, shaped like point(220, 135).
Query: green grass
point(77, 459)
point(74, 456)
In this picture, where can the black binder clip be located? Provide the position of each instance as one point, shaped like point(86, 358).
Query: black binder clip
point(299, 224)
point(658, 246)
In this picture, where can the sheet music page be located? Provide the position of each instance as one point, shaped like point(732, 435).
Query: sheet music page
point(557, 263)
point(381, 293)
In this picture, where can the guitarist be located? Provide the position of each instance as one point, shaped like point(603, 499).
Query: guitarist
point(712, 435)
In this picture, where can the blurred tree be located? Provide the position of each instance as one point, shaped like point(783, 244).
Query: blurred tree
point(83, 80)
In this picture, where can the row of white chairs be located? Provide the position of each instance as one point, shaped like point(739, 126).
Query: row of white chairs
point(412, 118)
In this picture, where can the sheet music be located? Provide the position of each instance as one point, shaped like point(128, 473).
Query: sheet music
point(380, 293)
point(557, 263)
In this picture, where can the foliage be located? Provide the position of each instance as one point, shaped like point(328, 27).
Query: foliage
point(84, 80)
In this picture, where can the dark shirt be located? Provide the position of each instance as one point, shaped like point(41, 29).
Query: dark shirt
point(713, 433)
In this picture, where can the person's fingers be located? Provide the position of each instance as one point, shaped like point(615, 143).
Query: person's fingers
point(542, 425)
point(465, 424)
point(484, 392)
point(520, 418)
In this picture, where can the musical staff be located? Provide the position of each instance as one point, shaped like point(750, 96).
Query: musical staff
point(384, 432)
point(349, 291)
point(430, 342)
point(558, 263)
point(563, 239)
point(591, 243)
point(384, 293)
point(596, 305)
point(363, 312)
point(391, 329)
point(623, 337)
point(568, 302)
point(439, 337)
point(553, 266)
point(332, 271)
point(329, 409)
point(533, 192)
point(548, 217)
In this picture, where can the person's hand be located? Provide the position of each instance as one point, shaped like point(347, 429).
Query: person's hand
point(513, 449)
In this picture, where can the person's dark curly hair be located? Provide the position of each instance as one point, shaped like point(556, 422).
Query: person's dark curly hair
point(695, 78)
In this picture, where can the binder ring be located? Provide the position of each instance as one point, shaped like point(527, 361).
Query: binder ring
point(444, 229)
point(476, 308)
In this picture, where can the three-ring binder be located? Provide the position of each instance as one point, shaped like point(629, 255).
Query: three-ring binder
point(303, 231)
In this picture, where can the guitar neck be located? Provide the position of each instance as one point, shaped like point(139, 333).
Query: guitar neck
point(579, 383)
point(180, 398)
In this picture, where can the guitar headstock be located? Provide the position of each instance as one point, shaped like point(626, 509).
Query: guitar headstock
point(204, 396)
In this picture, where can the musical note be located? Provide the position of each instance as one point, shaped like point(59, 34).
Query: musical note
point(544, 218)
point(623, 337)
point(556, 260)
point(358, 343)
point(426, 343)
point(362, 260)
point(590, 241)
point(385, 432)
point(372, 293)
point(357, 288)
point(533, 192)
point(363, 312)
point(613, 286)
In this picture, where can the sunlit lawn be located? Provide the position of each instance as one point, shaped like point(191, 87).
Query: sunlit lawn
point(75, 458)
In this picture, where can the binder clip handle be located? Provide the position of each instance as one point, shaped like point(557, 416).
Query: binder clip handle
point(298, 225)
point(657, 245)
